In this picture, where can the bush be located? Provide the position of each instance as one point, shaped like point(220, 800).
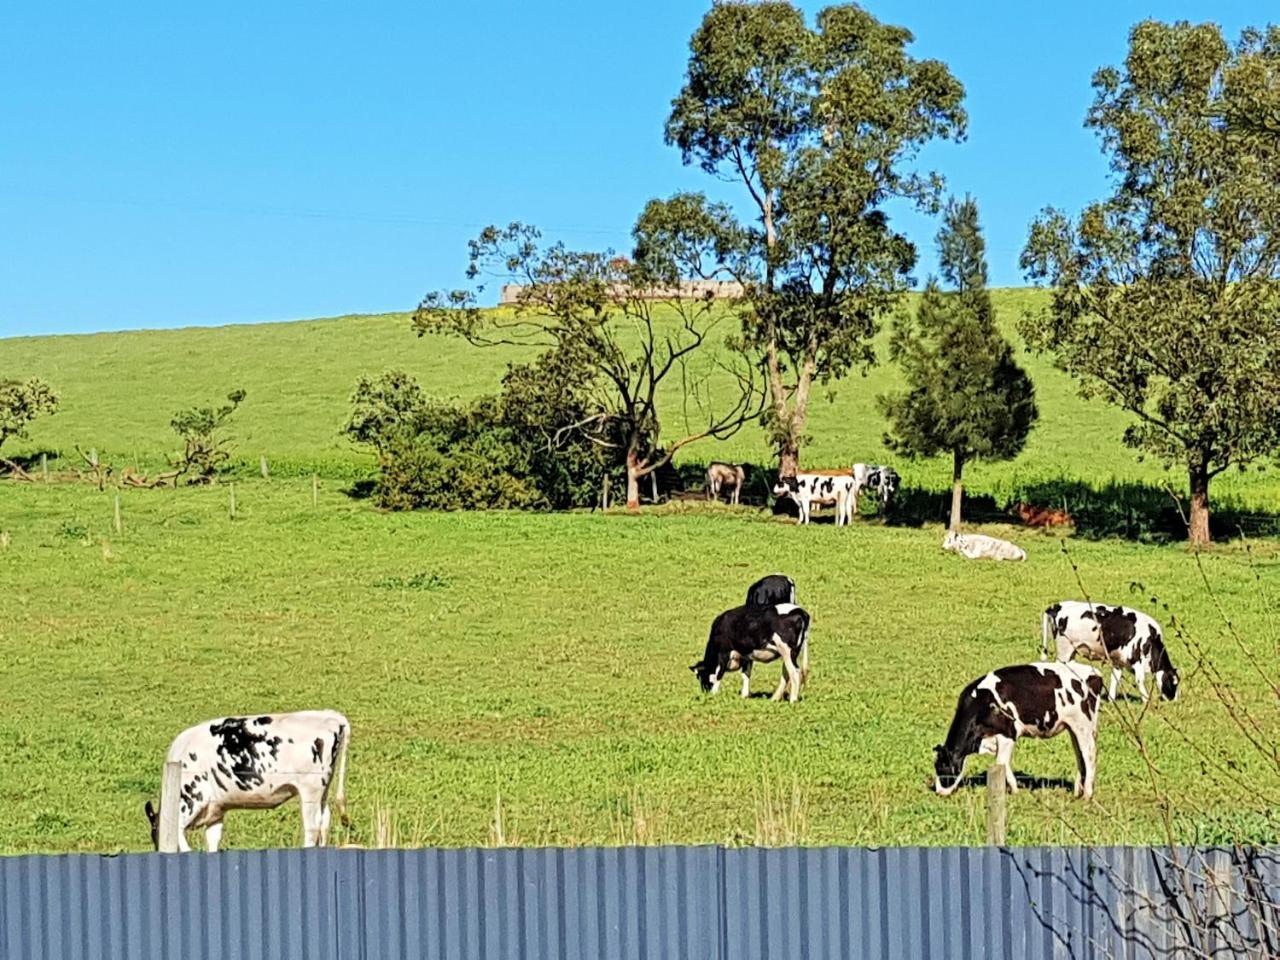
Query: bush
point(204, 449)
point(494, 453)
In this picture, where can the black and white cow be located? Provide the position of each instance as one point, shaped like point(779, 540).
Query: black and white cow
point(771, 590)
point(822, 489)
point(884, 481)
point(1030, 700)
point(258, 763)
point(1127, 639)
point(744, 636)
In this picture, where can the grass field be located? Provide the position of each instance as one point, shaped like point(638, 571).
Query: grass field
point(119, 391)
point(533, 668)
point(542, 660)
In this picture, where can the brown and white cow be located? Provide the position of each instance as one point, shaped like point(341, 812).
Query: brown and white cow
point(1030, 700)
point(1127, 639)
point(258, 763)
point(722, 476)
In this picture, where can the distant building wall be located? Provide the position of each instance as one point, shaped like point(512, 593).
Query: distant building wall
point(687, 290)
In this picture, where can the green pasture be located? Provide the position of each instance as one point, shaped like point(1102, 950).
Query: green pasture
point(119, 391)
point(522, 678)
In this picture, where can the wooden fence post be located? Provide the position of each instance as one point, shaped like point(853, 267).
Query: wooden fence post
point(604, 493)
point(315, 490)
point(653, 477)
point(119, 521)
point(170, 789)
point(996, 805)
point(266, 474)
point(44, 466)
point(233, 501)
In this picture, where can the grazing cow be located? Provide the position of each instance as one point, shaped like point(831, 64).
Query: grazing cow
point(807, 489)
point(771, 590)
point(1034, 516)
point(1127, 639)
point(977, 545)
point(258, 763)
point(746, 635)
point(721, 475)
point(884, 481)
point(1031, 700)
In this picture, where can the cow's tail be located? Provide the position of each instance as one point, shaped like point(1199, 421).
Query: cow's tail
point(340, 776)
point(1046, 624)
point(804, 651)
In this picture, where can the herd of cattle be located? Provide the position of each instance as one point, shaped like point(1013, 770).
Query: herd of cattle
point(1040, 699)
point(820, 488)
point(259, 762)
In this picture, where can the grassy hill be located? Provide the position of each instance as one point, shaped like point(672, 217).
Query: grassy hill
point(536, 664)
point(120, 389)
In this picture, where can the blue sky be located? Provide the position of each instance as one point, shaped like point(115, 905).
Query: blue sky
point(174, 164)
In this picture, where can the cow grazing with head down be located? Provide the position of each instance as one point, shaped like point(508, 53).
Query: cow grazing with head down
point(771, 590)
point(1031, 700)
point(821, 489)
point(747, 635)
point(1127, 639)
point(976, 546)
point(258, 763)
point(725, 475)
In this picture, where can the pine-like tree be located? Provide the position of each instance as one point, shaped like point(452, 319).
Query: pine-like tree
point(966, 395)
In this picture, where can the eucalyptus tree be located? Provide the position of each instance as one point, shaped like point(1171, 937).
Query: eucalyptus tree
point(1166, 299)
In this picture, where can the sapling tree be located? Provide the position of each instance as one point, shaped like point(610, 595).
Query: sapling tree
point(205, 445)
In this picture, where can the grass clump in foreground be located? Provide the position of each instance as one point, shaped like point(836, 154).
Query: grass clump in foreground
point(517, 678)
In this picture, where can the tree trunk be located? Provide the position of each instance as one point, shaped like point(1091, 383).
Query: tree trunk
point(1199, 477)
point(633, 480)
point(957, 489)
point(789, 460)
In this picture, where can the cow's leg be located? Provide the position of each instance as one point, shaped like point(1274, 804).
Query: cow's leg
point(324, 821)
point(782, 686)
point(311, 801)
point(1140, 678)
point(1066, 649)
point(716, 677)
point(1115, 682)
point(1084, 740)
point(790, 674)
point(746, 677)
point(213, 836)
point(1004, 755)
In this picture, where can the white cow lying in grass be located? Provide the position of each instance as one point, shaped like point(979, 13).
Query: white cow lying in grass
point(258, 763)
point(976, 545)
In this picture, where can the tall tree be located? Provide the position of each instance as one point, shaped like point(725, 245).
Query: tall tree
point(618, 329)
point(1165, 295)
point(820, 128)
point(966, 395)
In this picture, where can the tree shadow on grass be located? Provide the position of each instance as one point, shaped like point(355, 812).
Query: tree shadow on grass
point(1139, 512)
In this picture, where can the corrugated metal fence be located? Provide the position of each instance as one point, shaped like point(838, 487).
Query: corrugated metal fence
point(647, 902)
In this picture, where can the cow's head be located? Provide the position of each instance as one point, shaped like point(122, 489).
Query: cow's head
point(948, 765)
point(703, 671)
point(153, 817)
point(786, 487)
point(1167, 679)
point(888, 485)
